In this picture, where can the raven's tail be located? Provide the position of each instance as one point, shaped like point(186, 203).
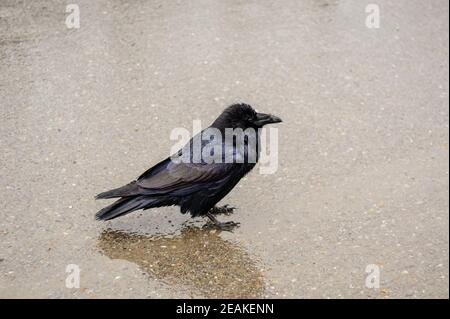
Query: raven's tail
point(131, 189)
point(126, 205)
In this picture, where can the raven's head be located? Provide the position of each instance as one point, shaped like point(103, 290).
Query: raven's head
point(243, 116)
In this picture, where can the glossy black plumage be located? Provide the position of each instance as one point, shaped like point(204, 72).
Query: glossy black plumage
point(194, 186)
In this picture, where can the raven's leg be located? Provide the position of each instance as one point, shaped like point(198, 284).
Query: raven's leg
point(222, 210)
point(228, 226)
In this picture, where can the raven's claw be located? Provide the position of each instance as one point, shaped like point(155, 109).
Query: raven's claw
point(226, 226)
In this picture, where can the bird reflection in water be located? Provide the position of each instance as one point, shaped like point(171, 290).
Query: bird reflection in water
point(198, 259)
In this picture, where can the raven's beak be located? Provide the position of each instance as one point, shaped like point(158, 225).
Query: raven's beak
point(263, 119)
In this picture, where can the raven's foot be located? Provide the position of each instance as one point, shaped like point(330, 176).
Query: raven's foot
point(227, 226)
point(222, 210)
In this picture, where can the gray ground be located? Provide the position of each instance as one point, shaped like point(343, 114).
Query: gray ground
point(363, 150)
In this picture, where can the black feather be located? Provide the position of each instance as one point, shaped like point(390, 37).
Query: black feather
point(195, 187)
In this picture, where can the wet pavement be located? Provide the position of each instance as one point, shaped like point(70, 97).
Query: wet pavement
point(363, 150)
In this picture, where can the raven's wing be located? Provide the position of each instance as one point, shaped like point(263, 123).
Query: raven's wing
point(173, 173)
point(177, 178)
point(180, 176)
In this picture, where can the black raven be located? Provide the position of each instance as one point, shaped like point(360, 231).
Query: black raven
point(197, 178)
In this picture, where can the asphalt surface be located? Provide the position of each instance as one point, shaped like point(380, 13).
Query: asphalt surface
point(362, 176)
